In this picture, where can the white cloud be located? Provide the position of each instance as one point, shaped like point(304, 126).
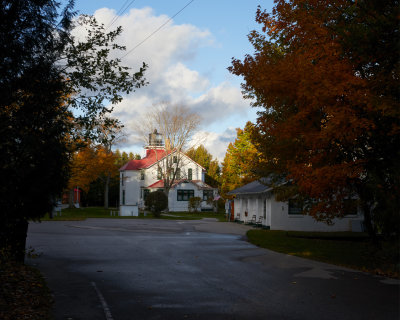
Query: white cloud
point(179, 77)
point(168, 53)
point(221, 103)
point(216, 143)
point(171, 44)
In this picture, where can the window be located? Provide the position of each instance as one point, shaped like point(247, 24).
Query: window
point(190, 174)
point(185, 195)
point(207, 194)
point(295, 207)
point(175, 159)
point(141, 174)
point(123, 197)
point(159, 173)
point(178, 173)
point(122, 179)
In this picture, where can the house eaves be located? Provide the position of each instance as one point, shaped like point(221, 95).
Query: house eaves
point(255, 187)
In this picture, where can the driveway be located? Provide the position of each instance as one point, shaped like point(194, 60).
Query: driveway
point(118, 269)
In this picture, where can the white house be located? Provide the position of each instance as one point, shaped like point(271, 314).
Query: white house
point(140, 177)
point(256, 202)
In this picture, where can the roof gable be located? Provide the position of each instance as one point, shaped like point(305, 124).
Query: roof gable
point(152, 157)
point(252, 187)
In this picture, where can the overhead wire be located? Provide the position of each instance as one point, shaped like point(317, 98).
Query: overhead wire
point(158, 29)
point(120, 12)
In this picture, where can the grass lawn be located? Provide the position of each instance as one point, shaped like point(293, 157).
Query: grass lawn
point(82, 214)
point(98, 212)
point(194, 216)
point(353, 250)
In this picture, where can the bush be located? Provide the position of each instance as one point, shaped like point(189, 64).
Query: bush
point(156, 202)
point(221, 205)
point(194, 204)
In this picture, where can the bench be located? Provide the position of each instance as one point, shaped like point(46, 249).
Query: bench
point(253, 220)
point(237, 219)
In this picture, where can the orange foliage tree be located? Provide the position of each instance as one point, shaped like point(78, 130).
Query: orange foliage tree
point(240, 162)
point(91, 163)
point(326, 73)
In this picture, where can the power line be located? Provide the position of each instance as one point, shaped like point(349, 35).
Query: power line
point(120, 12)
point(158, 29)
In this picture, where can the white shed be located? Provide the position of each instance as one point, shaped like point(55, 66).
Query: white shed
point(256, 201)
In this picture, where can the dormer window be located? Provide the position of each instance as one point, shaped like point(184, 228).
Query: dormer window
point(141, 174)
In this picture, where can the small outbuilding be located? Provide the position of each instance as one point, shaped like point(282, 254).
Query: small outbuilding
point(255, 202)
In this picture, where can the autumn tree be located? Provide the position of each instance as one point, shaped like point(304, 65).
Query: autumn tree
point(45, 74)
point(83, 170)
point(205, 159)
point(326, 75)
point(91, 163)
point(240, 162)
point(109, 133)
point(177, 124)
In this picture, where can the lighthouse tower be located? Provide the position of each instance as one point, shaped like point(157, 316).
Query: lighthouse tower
point(155, 141)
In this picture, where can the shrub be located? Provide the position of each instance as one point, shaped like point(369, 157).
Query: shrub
point(194, 204)
point(221, 205)
point(156, 202)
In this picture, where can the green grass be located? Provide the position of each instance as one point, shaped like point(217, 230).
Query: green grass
point(353, 250)
point(98, 212)
point(194, 216)
point(81, 214)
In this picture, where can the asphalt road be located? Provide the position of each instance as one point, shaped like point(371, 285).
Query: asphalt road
point(118, 269)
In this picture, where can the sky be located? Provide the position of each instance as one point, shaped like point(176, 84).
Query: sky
point(187, 59)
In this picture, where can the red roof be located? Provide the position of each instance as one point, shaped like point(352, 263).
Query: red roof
point(158, 184)
point(152, 156)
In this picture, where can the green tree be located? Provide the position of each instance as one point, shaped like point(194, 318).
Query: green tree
point(241, 161)
point(44, 74)
point(124, 157)
point(156, 202)
point(205, 159)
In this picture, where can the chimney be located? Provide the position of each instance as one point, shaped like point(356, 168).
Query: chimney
point(167, 145)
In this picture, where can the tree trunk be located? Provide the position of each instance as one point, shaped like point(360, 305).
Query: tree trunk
point(366, 203)
point(13, 239)
point(369, 226)
point(106, 189)
point(71, 199)
point(166, 191)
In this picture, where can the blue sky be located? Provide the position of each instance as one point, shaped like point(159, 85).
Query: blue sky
point(187, 61)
